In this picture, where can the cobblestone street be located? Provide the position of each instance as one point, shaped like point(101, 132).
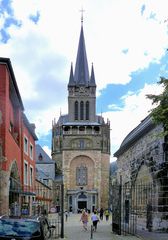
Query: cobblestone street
point(74, 231)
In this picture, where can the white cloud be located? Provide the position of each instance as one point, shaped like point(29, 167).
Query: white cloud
point(42, 53)
point(110, 27)
point(43, 118)
point(136, 108)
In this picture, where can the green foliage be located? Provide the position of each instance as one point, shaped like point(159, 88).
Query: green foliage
point(160, 113)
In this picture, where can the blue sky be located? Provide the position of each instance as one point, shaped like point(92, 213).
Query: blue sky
point(126, 40)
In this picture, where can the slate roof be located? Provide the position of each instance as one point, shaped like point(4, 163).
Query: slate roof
point(13, 83)
point(71, 77)
point(92, 77)
point(45, 167)
point(145, 126)
point(45, 158)
point(40, 174)
point(30, 126)
point(64, 120)
point(81, 75)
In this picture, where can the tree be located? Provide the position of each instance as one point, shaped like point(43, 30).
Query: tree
point(159, 114)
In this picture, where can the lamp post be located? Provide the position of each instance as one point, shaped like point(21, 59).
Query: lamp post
point(62, 209)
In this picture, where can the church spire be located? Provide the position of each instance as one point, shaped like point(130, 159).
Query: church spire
point(92, 78)
point(81, 75)
point(71, 77)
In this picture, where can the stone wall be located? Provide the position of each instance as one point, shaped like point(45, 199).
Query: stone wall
point(143, 162)
point(105, 171)
point(146, 150)
point(4, 192)
point(98, 172)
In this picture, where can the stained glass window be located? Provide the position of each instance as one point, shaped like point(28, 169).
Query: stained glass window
point(81, 175)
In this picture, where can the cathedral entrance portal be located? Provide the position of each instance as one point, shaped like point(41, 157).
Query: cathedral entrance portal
point(82, 201)
point(82, 205)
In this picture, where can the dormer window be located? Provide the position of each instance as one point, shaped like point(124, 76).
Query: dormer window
point(40, 157)
point(11, 128)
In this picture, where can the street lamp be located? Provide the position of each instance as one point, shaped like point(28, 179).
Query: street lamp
point(60, 183)
point(62, 208)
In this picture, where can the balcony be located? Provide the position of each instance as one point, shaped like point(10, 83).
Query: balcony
point(81, 130)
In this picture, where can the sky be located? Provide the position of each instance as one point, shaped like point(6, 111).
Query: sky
point(126, 40)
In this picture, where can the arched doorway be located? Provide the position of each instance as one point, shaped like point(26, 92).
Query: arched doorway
point(82, 201)
point(145, 197)
point(14, 190)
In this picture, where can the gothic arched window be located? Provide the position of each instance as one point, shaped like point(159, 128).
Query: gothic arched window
point(87, 110)
point(81, 175)
point(81, 110)
point(76, 110)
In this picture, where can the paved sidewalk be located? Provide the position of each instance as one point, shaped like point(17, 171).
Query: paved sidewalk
point(74, 231)
point(145, 235)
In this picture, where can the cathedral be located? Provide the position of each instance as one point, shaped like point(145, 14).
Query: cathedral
point(81, 141)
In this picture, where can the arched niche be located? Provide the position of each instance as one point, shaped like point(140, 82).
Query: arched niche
point(79, 163)
point(144, 176)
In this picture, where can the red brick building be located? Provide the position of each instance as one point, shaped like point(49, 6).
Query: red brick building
point(17, 147)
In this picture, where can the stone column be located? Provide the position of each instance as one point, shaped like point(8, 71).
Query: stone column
point(4, 193)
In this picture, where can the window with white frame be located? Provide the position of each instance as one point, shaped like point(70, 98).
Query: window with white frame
point(25, 173)
point(25, 144)
point(31, 151)
point(31, 175)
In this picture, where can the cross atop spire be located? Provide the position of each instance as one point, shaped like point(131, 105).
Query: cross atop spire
point(82, 11)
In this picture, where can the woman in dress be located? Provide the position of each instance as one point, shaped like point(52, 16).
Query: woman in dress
point(84, 219)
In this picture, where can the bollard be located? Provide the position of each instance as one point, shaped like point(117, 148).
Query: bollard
point(91, 232)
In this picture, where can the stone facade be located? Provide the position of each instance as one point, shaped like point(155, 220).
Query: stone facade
point(4, 192)
point(142, 160)
point(81, 141)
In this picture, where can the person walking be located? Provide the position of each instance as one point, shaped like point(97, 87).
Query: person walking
point(101, 213)
point(95, 220)
point(66, 215)
point(84, 219)
point(106, 213)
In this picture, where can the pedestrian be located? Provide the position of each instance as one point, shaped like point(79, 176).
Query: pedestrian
point(66, 215)
point(95, 220)
point(101, 213)
point(106, 213)
point(84, 219)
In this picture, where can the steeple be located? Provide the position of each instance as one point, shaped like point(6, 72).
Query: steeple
point(81, 87)
point(71, 77)
point(92, 78)
point(81, 75)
